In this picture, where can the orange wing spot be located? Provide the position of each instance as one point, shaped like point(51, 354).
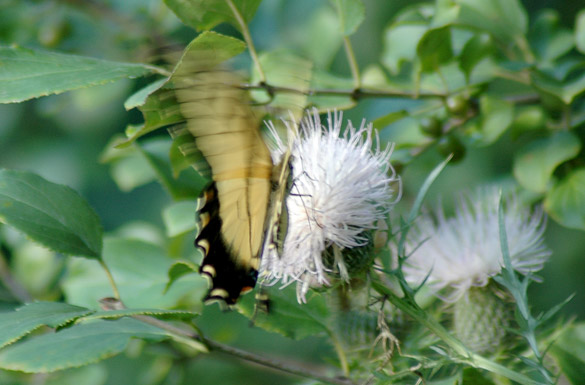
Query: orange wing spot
point(246, 289)
point(209, 195)
point(204, 218)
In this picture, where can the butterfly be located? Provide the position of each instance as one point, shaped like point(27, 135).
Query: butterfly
point(241, 211)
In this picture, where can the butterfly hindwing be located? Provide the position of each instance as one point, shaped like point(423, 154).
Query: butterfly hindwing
point(228, 280)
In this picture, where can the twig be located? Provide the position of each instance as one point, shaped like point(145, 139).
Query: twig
point(274, 364)
point(110, 279)
point(248, 39)
point(182, 334)
point(355, 72)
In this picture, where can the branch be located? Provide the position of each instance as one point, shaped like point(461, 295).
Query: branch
point(183, 334)
point(362, 93)
point(357, 93)
point(274, 364)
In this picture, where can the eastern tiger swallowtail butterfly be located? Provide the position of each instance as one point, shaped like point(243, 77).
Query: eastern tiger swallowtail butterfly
point(234, 210)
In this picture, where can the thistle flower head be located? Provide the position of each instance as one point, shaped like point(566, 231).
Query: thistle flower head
point(464, 251)
point(340, 189)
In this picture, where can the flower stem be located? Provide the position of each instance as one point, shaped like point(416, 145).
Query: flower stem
point(407, 305)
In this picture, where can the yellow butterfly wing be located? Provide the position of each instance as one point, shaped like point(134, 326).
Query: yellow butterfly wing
point(218, 115)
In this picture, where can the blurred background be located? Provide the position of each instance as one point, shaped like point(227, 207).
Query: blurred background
point(62, 137)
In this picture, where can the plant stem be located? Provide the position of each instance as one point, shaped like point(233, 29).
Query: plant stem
point(278, 365)
point(196, 340)
point(340, 354)
point(111, 279)
point(355, 93)
point(518, 288)
point(355, 73)
point(524, 46)
point(246, 34)
point(470, 358)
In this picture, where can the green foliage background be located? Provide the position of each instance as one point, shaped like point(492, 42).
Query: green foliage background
point(65, 139)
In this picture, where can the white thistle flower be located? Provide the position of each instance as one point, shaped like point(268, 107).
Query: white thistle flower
point(340, 189)
point(464, 251)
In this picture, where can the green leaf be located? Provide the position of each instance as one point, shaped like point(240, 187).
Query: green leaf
point(286, 315)
point(580, 31)
point(506, 20)
point(400, 44)
point(76, 346)
point(374, 77)
point(529, 118)
point(569, 352)
point(37, 269)
point(422, 193)
point(179, 218)
point(565, 202)
point(474, 376)
point(184, 154)
point(129, 169)
point(87, 375)
point(16, 324)
point(179, 269)
point(157, 313)
point(140, 272)
point(474, 51)
point(390, 118)
point(548, 39)
point(159, 110)
point(535, 163)
point(351, 14)
point(404, 131)
point(434, 48)
point(284, 69)
point(148, 161)
point(187, 186)
point(27, 73)
point(139, 97)
point(206, 14)
point(496, 117)
point(320, 37)
point(223, 47)
point(51, 214)
point(564, 90)
point(445, 12)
